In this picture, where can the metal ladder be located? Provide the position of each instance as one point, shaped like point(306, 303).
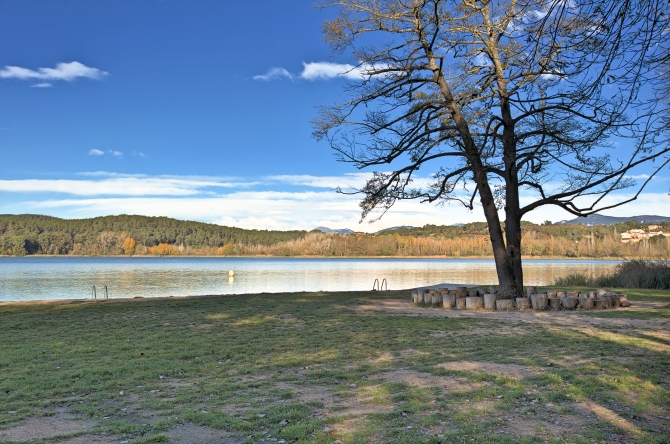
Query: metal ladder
point(376, 286)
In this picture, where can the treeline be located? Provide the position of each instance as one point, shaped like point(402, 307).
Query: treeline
point(141, 235)
point(33, 234)
point(537, 241)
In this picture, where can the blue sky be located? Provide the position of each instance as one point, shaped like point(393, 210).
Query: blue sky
point(195, 110)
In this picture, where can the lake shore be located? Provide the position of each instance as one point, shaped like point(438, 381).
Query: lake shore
point(58, 277)
point(558, 258)
point(327, 366)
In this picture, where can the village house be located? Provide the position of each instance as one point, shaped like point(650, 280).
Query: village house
point(636, 235)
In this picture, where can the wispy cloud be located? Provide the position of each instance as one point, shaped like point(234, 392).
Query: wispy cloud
point(274, 74)
point(97, 152)
point(315, 71)
point(354, 180)
point(271, 202)
point(119, 186)
point(328, 70)
point(42, 85)
point(254, 210)
point(63, 71)
point(140, 154)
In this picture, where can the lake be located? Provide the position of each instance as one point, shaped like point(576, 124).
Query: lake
point(38, 278)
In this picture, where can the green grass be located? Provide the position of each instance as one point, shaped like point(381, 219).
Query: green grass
point(309, 367)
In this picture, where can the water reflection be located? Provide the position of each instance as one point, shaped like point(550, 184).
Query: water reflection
point(60, 278)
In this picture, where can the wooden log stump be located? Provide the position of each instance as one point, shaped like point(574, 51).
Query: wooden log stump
point(493, 289)
point(473, 293)
point(560, 294)
point(490, 301)
point(530, 290)
point(435, 300)
point(460, 303)
point(623, 300)
point(610, 300)
point(551, 294)
point(474, 303)
point(586, 303)
point(569, 303)
point(522, 303)
point(449, 301)
point(539, 301)
point(583, 295)
point(555, 303)
point(600, 303)
point(603, 291)
point(504, 304)
point(616, 301)
point(593, 294)
point(461, 292)
point(572, 294)
point(425, 297)
point(415, 297)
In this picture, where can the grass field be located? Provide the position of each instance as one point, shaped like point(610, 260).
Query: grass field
point(322, 367)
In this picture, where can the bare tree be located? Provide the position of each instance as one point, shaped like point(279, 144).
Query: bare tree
point(495, 97)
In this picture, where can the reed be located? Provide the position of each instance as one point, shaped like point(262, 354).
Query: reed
point(629, 274)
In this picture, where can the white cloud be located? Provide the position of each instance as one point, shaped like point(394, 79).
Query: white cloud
point(140, 154)
point(328, 70)
point(62, 71)
point(256, 210)
point(652, 203)
point(42, 85)
point(274, 74)
point(316, 71)
point(121, 186)
point(115, 153)
point(95, 152)
point(332, 182)
point(270, 204)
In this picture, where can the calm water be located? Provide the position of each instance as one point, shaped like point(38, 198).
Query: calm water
point(35, 278)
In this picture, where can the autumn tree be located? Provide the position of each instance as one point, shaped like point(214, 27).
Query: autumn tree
point(516, 104)
point(164, 250)
point(128, 246)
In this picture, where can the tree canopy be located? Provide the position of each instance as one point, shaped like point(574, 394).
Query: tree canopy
point(515, 103)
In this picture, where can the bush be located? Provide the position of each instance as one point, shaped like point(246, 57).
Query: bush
point(226, 250)
point(164, 250)
point(628, 274)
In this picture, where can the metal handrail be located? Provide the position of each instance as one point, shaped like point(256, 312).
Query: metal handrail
point(376, 286)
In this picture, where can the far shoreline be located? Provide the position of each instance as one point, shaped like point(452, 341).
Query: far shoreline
point(547, 258)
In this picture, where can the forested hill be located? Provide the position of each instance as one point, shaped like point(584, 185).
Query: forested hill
point(140, 235)
point(105, 235)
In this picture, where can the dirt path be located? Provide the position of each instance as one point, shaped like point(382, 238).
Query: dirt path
point(563, 318)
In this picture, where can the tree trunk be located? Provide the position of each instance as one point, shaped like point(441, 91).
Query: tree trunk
point(513, 250)
point(506, 281)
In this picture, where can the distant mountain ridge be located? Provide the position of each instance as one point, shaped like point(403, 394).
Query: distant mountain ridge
point(601, 219)
point(331, 230)
point(409, 227)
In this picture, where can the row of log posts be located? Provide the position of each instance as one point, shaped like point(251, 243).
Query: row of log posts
point(461, 298)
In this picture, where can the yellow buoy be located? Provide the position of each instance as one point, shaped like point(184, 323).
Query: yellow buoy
point(231, 273)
